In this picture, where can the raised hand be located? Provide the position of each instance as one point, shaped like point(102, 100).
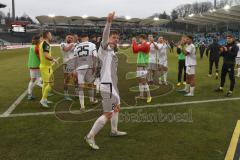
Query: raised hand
point(110, 17)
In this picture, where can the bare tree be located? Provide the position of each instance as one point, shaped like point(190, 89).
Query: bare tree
point(195, 8)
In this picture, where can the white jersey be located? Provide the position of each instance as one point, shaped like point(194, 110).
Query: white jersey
point(109, 61)
point(238, 55)
point(84, 55)
point(162, 52)
point(153, 53)
point(191, 57)
point(67, 56)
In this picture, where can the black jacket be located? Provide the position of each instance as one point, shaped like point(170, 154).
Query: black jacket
point(214, 50)
point(229, 56)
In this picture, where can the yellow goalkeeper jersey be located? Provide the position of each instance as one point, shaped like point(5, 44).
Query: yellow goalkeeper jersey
point(45, 47)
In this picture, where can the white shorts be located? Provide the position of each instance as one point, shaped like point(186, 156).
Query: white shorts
point(190, 70)
point(85, 76)
point(142, 72)
point(152, 66)
point(163, 63)
point(34, 73)
point(238, 60)
point(110, 97)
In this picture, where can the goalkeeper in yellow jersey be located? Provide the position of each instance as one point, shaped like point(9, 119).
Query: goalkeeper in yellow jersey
point(46, 70)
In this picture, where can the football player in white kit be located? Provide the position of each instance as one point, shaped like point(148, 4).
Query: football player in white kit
point(162, 60)
point(109, 89)
point(238, 60)
point(191, 62)
point(153, 65)
point(67, 49)
point(85, 55)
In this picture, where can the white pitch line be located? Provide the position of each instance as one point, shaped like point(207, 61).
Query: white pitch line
point(14, 105)
point(130, 108)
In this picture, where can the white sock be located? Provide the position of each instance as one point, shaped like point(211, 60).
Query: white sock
point(141, 89)
point(91, 95)
point(39, 81)
point(98, 125)
point(76, 90)
point(150, 76)
point(161, 73)
point(97, 84)
point(30, 87)
point(65, 92)
point(165, 76)
point(238, 72)
point(81, 98)
point(114, 122)
point(192, 90)
point(187, 86)
point(146, 88)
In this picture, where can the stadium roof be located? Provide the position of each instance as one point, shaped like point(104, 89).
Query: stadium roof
point(2, 5)
point(95, 21)
point(224, 15)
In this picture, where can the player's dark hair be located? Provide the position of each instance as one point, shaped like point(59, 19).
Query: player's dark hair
point(190, 37)
point(84, 35)
point(113, 33)
point(229, 36)
point(36, 39)
point(45, 34)
point(143, 36)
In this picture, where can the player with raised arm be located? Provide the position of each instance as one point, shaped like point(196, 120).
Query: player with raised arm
point(85, 56)
point(67, 49)
point(109, 89)
point(142, 50)
point(46, 70)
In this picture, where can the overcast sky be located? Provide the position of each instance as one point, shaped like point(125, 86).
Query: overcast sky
point(99, 8)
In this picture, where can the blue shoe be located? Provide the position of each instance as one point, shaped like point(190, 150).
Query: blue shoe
point(31, 97)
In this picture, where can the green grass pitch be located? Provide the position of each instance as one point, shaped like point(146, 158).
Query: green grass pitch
point(45, 137)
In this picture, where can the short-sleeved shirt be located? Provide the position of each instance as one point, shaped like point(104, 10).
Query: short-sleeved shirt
point(67, 56)
point(84, 55)
point(162, 52)
point(153, 54)
point(45, 48)
point(191, 57)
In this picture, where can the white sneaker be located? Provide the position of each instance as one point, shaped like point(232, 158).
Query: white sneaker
point(117, 134)
point(44, 104)
point(189, 95)
point(94, 102)
point(39, 85)
point(91, 143)
point(82, 109)
point(160, 82)
point(165, 83)
point(49, 102)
